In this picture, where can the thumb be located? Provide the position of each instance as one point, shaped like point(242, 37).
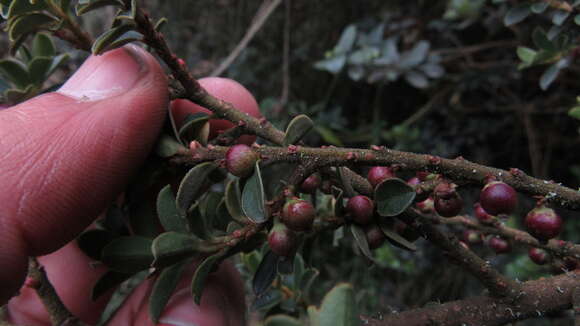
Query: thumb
point(67, 154)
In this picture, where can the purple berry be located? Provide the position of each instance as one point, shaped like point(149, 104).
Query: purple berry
point(375, 236)
point(498, 198)
point(378, 174)
point(538, 256)
point(240, 160)
point(481, 215)
point(282, 241)
point(499, 245)
point(310, 184)
point(361, 209)
point(298, 215)
point(543, 223)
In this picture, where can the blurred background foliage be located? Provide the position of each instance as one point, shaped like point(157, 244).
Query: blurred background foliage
point(439, 77)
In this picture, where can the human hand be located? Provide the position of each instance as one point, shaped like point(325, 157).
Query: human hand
point(65, 156)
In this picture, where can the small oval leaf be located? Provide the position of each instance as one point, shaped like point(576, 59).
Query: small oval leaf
point(253, 197)
point(108, 281)
point(172, 247)
point(128, 254)
point(92, 242)
point(393, 196)
point(361, 240)
point(192, 184)
point(164, 286)
point(195, 127)
point(167, 146)
point(397, 240)
point(233, 197)
point(297, 128)
point(201, 274)
point(339, 307)
point(115, 38)
point(265, 274)
point(169, 216)
point(30, 23)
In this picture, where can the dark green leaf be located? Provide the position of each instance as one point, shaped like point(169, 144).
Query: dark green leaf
point(42, 46)
point(395, 239)
point(432, 70)
point(196, 222)
point(195, 127)
point(56, 62)
point(169, 216)
point(38, 69)
point(24, 54)
point(416, 79)
point(267, 300)
point(15, 72)
point(30, 23)
point(308, 279)
point(108, 281)
point(164, 286)
point(233, 198)
point(361, 240)
point(192, 185)
point(517, 14)
point(339, 307)
point(549, 76)
point(201, 274)
point(559, 17)
point(525, 54)
point(128, 254)
point(167, 146)
point(20, 7)
point(16, 96)
point(297, 128)
point(282, 320)
point(538, 8)
point(92, 242)
point(393, 196)
point(172, 247)
point(121, 294)
point(253, 198)
point(222, 217)
point(541, 40)
point(577, 19)
point(83, 8)
point(345, 181)
point(286, 265)
point(115, 38)
point(265, 274)
point(346, 41)
point(575, 112)
point(415, 56)
point(160, 23)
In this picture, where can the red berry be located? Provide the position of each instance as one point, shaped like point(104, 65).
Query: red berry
point(445, 190)
point(498, 198)
point(361, 209)
point(449, 207)
point(378, 174)
point(543, 223)
point(375, 236)
point(538, 256)
point(482, 215)
point(298, 215)
point(499, 245)
point(427, 206)
point(422, 175)
point(282, 241)
point(240, 160)
point(472, 237)
point(310, 184)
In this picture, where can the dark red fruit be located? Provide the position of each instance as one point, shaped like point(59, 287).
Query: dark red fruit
point(472, 237)
point(361, 209)
point(240, 160)
point(422, 175)
point(499, 245)
point(282, 241)
point(449, 207)
point(413, 181)
point(375, 236)
point(378, 174)
point(445, 190)
point(498, 198)
point(481, 215)
point(310, 184)
point(543, 223)
point(298, 215)
point(538, 256)
point(427, 206)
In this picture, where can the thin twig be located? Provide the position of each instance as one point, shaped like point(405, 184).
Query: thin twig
point(263, 13)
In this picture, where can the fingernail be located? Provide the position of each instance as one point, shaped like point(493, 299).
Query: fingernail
point(107, 75)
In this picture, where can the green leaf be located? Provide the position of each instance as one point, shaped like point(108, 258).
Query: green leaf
point(15, 96)
point(20, 7)
point(56, 62)
point(267, 300)
point(253, 197)
point(201, 274)
point(282, 320)
point(121, 294)
point(559, 17)
point(128, 254)
point(108, 281)
point(346, 41)
point(297, 129)
point(395, 239)
point(167, 146)
point(195, 127)
point(265, 274)
point(92, 242)
point(538, 8)
point(339, 307)
point(42, 46)
point(393, 196)
point(233, 197)
point(29, 23)
point(172, 247)
point(16, 72)
point(361, 240)
point(313, 316)
point(333, 65)
point(115, 38)
point(541, 40)
point(196, 222)
point(192, 184)
point(160, 24)
point(169, 216)
point(38, 69)
point(525, 54)
point(549, 76)
point(328, 135)
point(164, 286)
point(87, 6)
point(577, 19)
point(516, 14)
point(575, 112)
